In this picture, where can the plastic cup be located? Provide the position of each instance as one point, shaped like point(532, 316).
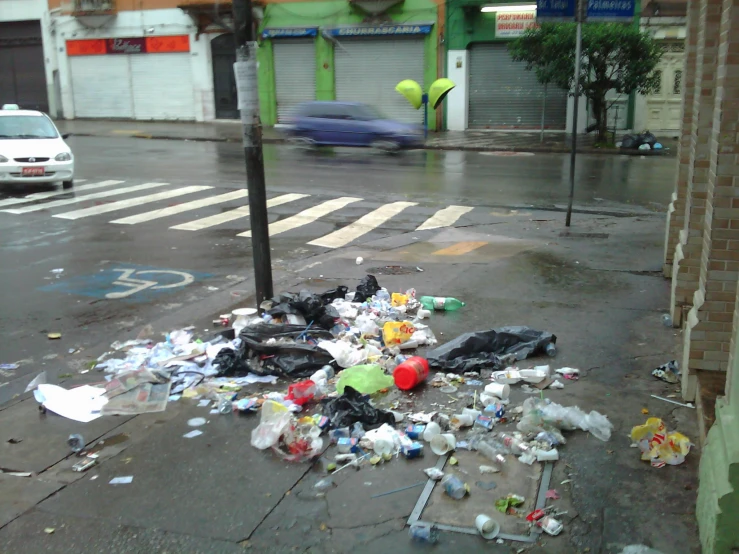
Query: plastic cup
point(499, 390)
point(462, 420)
point(487, 526)
point(441, 444)
point(432, 429)
point(454, 486)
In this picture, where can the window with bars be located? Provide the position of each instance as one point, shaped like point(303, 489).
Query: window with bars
point(658, 87)
point(677, 82)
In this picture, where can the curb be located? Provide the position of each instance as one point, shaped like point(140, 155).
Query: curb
point(442, 147)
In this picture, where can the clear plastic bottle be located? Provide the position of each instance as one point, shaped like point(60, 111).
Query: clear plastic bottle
point(382, 294)
point(491, 452)
point(551, 350)
point(515, 445)
point(447, 304)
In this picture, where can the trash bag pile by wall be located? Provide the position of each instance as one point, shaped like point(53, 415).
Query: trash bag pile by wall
point(642, 141)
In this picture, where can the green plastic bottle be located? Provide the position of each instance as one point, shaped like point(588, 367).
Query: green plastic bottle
point(448, 304)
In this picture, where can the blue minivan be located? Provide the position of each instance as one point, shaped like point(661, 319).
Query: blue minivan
point(349, 124)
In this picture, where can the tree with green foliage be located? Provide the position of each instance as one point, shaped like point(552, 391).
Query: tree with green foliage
point(614, 57)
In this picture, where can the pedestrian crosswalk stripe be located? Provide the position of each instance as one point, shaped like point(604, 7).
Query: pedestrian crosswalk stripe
point(78, 199)
point(51, 194)
point(306, 216)
point(123, 204)
point(361, 226)
point(460, 248)
point(179, 208)
point(444, 218)
point(231, 215)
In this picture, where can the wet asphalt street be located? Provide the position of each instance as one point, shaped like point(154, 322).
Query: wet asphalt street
point(150, 236)
point(112, 245)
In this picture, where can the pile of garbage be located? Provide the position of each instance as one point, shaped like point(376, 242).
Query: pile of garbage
point(342, 350)
point(644, 141)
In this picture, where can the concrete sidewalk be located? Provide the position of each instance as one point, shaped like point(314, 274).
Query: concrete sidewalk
point(600, 290)
point(230, 131)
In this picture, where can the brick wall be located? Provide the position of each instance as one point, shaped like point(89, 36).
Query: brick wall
point(712, 205)
point(686, 264)
point(676, 210)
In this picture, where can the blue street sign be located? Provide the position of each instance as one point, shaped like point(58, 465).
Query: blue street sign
point(598, 10)
point(610, 10)
point(380, 30)
point(555, 10)
point(289, 32)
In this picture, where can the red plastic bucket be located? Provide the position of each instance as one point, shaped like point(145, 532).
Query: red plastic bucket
point(411, 373)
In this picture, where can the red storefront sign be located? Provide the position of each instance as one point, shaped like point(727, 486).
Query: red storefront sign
point(132, 45)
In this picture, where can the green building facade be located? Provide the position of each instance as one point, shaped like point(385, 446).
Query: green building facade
point(338, 51)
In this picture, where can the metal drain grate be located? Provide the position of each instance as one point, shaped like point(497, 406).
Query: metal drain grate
point(393, 270)
point(568, 234)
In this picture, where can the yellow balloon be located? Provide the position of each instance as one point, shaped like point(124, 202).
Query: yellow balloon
point(412, 92)
point(438, 91)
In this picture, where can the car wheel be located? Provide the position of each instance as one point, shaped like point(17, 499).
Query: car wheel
point(303, 143)
point(387, 146)
point(68, 184)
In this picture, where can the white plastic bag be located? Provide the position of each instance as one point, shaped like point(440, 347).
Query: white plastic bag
point(367, 325)
point(543, 415)
point(274, 421)
point(344, 353)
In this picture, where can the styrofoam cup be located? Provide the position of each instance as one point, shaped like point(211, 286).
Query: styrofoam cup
point(487, 526)
point(471, 412)
point(499, 390)
point(462, 420)
point(441, 444)
point(432, 429)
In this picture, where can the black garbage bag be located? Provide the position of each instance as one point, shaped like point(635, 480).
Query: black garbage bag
point(313, 307)
point(629, 141)
point(284, 357)
point(350, 407)
point(229, 362)
point(484, 349)
point(331, 295)
point(645, 138)
point(366, 288)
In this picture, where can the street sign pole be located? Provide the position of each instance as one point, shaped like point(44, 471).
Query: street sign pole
point(245, 71)
point(575, 106)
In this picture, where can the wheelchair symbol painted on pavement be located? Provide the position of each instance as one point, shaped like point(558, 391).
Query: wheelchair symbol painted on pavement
point(127, 282)
point(129, 279)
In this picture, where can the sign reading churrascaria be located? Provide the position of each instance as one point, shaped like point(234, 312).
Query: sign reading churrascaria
point(379, 30)
point(281, 32)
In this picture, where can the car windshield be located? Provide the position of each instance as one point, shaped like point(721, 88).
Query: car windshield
point(26, 127)
point(367, 113)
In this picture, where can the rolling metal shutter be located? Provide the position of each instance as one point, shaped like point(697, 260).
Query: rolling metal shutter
point(22, 77)
point(367, 70)
point(162, 86)
point(502, 94)
point(101, 86)
point(141, 86)
point(295, 74)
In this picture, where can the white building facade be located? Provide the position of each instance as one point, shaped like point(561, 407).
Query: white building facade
point(140, 65)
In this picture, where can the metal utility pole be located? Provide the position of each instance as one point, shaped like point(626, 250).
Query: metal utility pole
point(579, 16)
point(543, 112)
point(245, 70)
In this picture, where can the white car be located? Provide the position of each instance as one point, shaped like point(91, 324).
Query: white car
point(32, 150)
